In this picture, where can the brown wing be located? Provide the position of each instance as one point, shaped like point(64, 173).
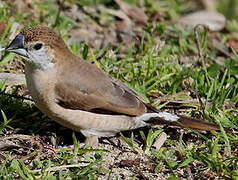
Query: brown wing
point(88, 88)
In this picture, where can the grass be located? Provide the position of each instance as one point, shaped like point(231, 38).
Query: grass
point(163, 63)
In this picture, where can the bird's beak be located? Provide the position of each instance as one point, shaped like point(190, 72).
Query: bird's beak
point(17, 46)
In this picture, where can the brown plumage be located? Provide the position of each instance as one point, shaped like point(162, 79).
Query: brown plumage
point(47, 35)
point(50, 38)
point(81, 96)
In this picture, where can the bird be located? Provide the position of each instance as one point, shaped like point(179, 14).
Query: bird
point(80, 96)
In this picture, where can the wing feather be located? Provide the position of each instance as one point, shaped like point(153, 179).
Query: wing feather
point(88, 88)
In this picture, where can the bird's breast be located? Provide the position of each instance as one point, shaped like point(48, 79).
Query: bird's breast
point(40, 83)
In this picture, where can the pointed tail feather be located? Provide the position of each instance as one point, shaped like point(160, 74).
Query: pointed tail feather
point(177, 120)
point(195, 123)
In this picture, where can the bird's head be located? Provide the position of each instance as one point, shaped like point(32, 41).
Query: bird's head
point(40, 46)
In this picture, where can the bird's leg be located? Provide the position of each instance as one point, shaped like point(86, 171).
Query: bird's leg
point(91, 141)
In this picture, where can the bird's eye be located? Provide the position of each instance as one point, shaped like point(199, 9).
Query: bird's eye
point(38, 46)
